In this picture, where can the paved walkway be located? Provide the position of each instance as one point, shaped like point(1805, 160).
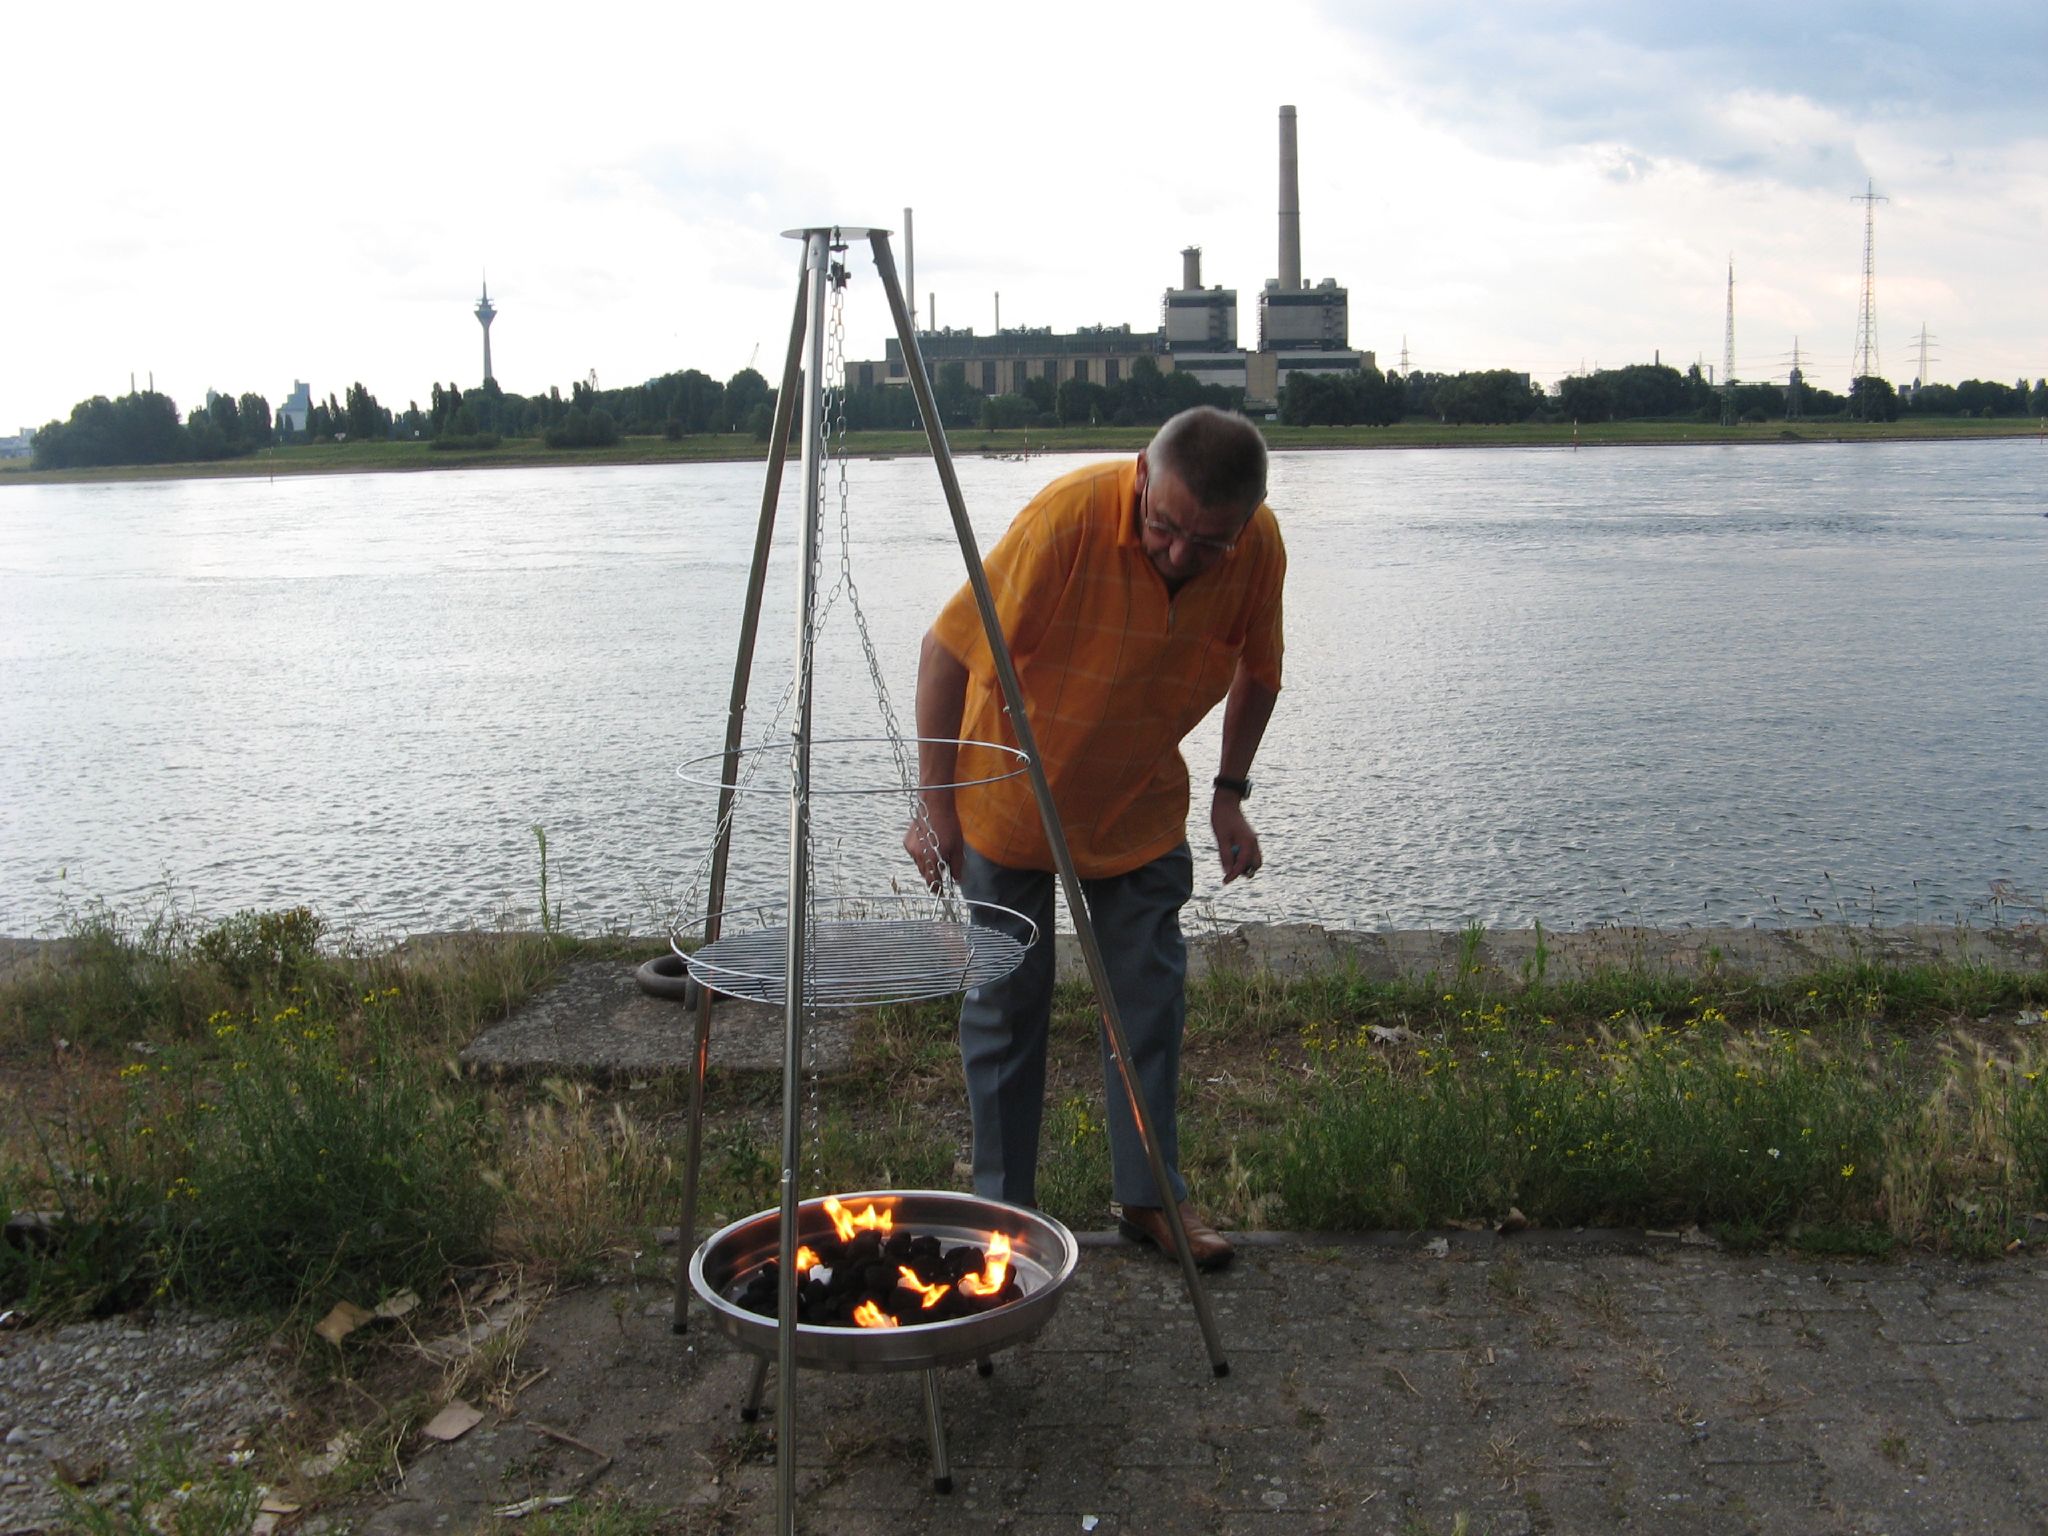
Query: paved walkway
point(1525, 1384)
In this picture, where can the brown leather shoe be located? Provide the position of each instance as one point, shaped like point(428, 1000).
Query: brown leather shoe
point(1147, 1224)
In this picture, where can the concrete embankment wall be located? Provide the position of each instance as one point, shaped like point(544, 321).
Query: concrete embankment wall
point(1293, 949)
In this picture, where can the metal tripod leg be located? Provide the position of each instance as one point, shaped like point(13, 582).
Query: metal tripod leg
point(1055, 833)
point(750, 1410)
point(935, 1424)
point(817, 255)
point(735, 722)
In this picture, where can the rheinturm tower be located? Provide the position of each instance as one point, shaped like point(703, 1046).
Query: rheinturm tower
point(484, 316)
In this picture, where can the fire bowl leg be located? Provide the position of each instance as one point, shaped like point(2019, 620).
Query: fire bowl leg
point(942, 1476)
point(751, 1409)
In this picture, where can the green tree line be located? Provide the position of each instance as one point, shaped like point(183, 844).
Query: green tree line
point(145, 428)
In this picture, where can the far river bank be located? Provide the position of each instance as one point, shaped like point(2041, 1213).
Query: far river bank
point(414, 457)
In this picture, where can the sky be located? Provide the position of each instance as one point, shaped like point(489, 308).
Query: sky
point(239, 196)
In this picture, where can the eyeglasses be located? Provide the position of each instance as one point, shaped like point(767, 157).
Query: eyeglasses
point(1173, 533)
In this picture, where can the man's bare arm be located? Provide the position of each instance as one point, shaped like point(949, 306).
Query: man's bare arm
point(1246, 711)
point(941, 701)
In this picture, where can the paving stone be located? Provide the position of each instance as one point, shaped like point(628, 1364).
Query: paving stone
point(1710, 1392)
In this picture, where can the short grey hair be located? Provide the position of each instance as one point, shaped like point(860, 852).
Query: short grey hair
point(1218, 455)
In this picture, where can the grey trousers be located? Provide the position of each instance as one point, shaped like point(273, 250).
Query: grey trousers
point(1004, 1025)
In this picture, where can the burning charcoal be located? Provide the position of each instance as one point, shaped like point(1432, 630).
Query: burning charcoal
point(878, 1279)
point(924, 1254)
point(846, 1278)
point(811, 1295)
point(829, 1251)
point(866, 1248)
point(963, 1261)
point(897, 1248)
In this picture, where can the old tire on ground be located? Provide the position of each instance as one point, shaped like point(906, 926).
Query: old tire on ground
point(666, 977)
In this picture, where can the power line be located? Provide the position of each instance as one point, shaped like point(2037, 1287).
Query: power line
point(1728, 354)
point(1926, 345)
point(1867, 363)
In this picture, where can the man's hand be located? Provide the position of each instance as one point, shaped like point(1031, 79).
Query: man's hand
point(1236, 842)
point(933, 840)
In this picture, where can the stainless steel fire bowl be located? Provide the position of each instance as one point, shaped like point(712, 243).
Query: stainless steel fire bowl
point(1042, 1258)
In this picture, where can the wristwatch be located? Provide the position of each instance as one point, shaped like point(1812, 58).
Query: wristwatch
point(1242, 788)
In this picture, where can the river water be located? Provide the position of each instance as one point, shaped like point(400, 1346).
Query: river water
point(1669, 685)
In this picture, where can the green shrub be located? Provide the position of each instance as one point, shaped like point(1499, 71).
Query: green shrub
point(268, 949)
point(109, 980)
point(1767, 1132)
point(290, 1162)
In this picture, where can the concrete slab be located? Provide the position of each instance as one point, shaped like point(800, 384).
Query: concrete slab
point(1313, 1431)
point(595, 1022)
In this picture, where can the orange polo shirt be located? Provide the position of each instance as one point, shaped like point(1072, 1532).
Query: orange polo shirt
point(1115, 672)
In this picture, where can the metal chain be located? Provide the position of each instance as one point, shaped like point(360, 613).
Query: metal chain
point(831, 422)
point(906, 768)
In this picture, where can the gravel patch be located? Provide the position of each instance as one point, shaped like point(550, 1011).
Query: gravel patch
point(98, 1393)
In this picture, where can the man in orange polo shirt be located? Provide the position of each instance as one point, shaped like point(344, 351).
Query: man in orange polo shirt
point(1134, 596)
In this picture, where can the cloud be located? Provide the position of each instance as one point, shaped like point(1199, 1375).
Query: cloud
point(1754, 91)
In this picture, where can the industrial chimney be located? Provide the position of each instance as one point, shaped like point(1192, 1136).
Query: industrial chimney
point(1290, 205)
point(1191, 267)
point(909, 270)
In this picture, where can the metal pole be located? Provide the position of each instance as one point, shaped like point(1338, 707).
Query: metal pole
point(1055, 832)
point(735, 722)
point(817, 254)
point(935, 1427)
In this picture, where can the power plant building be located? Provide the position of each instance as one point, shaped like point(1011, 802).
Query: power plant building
point(1001, 364)
point(1303, 328)
point(1200, 326)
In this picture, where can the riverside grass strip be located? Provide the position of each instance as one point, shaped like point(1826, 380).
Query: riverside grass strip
point(528, 453)
point(247, 1115)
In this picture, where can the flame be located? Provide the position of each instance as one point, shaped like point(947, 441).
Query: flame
point(872, 1219)
point(868, 1315)
point(806, 1260)
point(995, 1269)
point(931, 1293)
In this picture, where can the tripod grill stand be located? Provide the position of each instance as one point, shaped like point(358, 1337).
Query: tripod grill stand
point(798, 989)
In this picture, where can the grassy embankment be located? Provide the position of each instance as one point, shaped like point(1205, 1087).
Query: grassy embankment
point(367, 458)
point(237, 1115)
point(244, 1117)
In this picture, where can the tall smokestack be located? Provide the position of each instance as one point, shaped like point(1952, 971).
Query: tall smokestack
point(909, 270)
point(1290, 205)
point(1191, 267)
